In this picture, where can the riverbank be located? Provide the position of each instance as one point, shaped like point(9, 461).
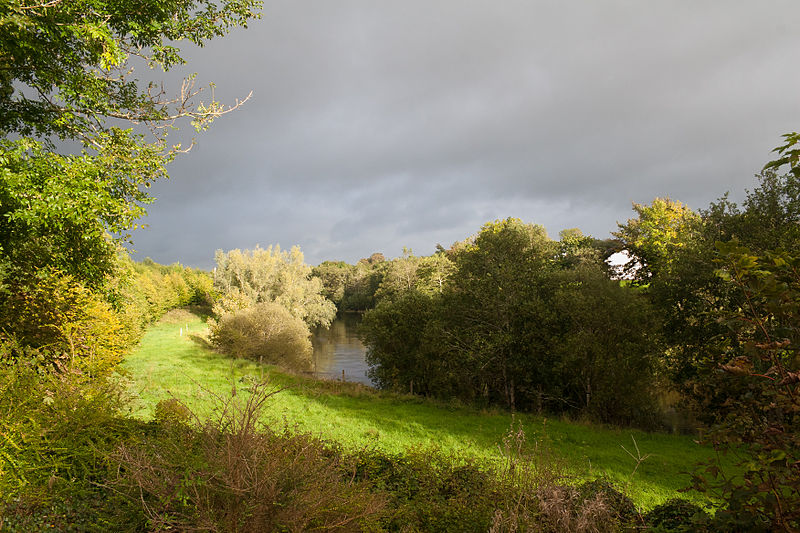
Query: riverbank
point(174, 360)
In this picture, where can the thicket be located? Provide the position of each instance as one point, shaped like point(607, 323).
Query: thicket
point(511, 317)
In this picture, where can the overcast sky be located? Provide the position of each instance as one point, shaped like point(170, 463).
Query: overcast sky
point(375, 125)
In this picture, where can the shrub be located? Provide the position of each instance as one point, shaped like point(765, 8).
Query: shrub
point(75, 326)
point(675, 514)
point(56, 432)
point(266, 332)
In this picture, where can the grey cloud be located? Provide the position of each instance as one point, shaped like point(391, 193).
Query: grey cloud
point(378, 125)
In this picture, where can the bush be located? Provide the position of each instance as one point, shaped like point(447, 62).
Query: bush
point(73, 325)
point(675, 514)
point(56, 433)
point(266, 332)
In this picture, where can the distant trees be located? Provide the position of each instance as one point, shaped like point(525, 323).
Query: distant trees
point(352, 287)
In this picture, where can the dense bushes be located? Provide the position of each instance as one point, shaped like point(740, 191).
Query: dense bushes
point(265, 332)
point(523, 322)
point(70, 325)
point(230, 473)
point(57, 432)
point(143, 291)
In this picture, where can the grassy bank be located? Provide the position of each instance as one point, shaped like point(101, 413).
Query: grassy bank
point(173, 360)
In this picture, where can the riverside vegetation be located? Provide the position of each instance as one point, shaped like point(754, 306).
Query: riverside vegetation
point(472, 347)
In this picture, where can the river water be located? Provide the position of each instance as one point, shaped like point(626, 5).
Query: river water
point(338, 349)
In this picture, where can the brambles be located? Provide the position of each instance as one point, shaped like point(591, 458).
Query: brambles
point(757, 381)
point(231, 473)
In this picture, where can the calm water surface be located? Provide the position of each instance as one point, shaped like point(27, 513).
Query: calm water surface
point(337, 348)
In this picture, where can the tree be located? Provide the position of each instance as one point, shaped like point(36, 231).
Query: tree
point(492, 294)
point(250, 277)
point(606, 346)
point(334, 276)
point(653, 238)
point(66, 72)
point(788, 154)
point(65, 66)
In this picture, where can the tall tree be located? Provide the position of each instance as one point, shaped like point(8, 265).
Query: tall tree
point(67, 72)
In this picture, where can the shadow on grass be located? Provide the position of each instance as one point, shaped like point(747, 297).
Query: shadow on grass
point(201, 341)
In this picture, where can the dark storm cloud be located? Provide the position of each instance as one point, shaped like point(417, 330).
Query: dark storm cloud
point(378, 125)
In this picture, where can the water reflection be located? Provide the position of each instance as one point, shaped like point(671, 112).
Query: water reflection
point(338, 348)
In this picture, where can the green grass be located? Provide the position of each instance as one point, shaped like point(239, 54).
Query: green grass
point(170, 362)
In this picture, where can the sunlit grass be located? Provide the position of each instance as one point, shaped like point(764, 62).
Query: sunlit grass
point(174, 362)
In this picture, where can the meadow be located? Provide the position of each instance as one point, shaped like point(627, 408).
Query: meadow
point(174, 360)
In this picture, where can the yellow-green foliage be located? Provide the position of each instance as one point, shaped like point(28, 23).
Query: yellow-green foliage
point(54, 427)
point(75, 326)
point(267, 332)
point(245, 278)
point(145, 291)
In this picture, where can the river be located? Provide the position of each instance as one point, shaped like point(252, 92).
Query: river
point(338, 349)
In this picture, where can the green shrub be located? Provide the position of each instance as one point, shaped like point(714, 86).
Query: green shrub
point(675, 514)
point(430, 491)
point(266, 332)
point(56, 432)
point(75, 326)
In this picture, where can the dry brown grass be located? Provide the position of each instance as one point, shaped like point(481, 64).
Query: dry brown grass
point(230, 474)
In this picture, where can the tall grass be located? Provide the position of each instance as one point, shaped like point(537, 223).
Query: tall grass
point(174, 360)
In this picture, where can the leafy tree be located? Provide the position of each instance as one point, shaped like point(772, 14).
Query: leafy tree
point(434, 272)
point(66, 65)
point(246, 278)
point(607, 352)
point(56, 211)
point(334, 276)
point(404, 349)
point(400, 275)
point(427, 274)
point(66, 72)
point(788, 154)
point(653, 238)
point(363, 284)
point(491, 290)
